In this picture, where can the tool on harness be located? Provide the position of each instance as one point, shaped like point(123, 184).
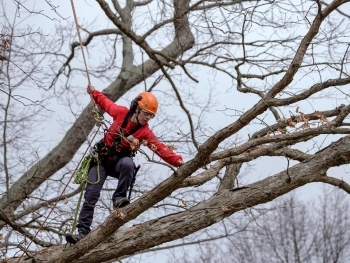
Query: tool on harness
point(100, 149)
point(133, 180)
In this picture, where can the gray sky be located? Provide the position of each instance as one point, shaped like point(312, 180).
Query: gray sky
point(52, 131)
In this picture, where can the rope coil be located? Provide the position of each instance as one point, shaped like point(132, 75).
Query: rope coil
point(82, 172)
point(81, 178)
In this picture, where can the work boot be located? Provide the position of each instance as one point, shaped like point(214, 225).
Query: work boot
point(72, 239)
point(121, 203)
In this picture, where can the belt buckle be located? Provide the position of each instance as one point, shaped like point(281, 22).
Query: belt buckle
point(104, 151)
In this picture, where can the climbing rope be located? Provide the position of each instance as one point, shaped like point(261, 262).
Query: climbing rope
point(82, 172)
point(80, 41)
point(58, 199)
point(98, 117)
point(82, 179)
point(84, 162)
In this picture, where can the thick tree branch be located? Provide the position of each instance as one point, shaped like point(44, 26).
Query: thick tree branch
point(209, 212)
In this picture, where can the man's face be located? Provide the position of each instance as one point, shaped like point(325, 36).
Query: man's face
point(144, 116)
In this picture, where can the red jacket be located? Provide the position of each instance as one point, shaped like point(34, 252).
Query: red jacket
point(142, 136)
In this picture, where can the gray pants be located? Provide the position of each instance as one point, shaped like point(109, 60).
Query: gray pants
point(122, 169)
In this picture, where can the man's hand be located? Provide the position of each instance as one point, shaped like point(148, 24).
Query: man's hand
point(90, 88)
point(181, 163)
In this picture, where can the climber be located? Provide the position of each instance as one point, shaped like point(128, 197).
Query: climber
point(129, 130)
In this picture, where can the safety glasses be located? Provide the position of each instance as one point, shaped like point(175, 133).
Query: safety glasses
point(147, 114)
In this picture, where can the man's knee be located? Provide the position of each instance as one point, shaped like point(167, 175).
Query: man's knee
point(128, 162)
point(127, 165)
point(93, 175)
point(91, 195)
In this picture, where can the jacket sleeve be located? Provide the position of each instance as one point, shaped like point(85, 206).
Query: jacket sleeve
point(162, 150)
point(105, 103)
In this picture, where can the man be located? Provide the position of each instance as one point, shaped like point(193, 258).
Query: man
point(129, 130)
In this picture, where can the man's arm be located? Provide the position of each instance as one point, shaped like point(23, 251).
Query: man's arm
point(103, 101)
point(163, 151)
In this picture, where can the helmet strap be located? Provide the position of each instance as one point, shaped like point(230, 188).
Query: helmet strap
point(137, 112)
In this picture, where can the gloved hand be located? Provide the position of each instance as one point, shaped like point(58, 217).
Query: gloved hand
point(180, 163)
point(90, 88)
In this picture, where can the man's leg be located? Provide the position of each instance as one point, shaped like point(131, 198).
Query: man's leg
point(125, 170)
point(91, 195)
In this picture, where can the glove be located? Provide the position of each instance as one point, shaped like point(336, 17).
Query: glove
point(90, 89)
point(180, 163)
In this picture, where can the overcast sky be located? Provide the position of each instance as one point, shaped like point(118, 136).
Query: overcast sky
point(90, 11)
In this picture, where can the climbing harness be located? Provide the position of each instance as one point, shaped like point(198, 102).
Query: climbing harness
point(132, 110)
point(116, 144)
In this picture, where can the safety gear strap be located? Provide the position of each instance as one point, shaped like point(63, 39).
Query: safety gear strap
point(121, 134)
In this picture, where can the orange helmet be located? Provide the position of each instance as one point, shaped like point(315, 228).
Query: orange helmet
point(148, 102)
